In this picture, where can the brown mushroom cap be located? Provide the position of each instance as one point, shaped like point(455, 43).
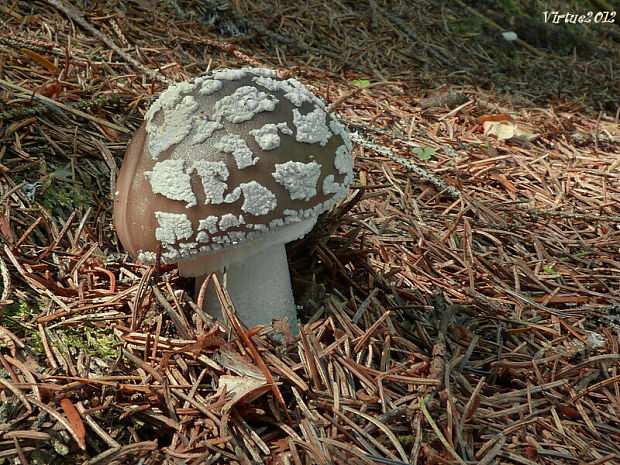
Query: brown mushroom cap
point(228, 159)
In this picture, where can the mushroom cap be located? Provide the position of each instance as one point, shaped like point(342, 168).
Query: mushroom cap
point(225, 164)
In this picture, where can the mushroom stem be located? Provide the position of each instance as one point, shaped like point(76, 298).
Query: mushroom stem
point(260, 289)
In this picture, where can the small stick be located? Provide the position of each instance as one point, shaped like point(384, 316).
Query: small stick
point(521, 42)
point(438, 183)
point(441, 437)
point(76, 15)
point(64, 107)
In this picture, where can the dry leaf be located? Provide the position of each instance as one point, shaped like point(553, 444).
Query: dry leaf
point(530, 453)
point(5, 231)
point(499, 117)
point(75, 420)
point(283, 328)
point(51, 89)
point(241, 388)
point(41, 60)
point(205, 341)
point(507, 130)
point(474, 406)
point(234, 362)
point(111, 133)
point(568, 411)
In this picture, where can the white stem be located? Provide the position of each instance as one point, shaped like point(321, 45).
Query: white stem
point(260, 289)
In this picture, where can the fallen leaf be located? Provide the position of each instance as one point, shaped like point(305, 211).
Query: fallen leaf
point(5, 231)
point(41, 60)
point(75, 420)
point(111, 133)
point(504, 182)
point(283, 328)
point(568, 411)
point(530, 453)
point(425, 153)
point(241, 388)
point(234, 362)
point(205, 341)
point(504, 130)
point(499, 117)
point(510, 36)
point(51, 89)
point(474, 406)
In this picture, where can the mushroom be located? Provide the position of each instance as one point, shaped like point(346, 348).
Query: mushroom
point(225, 170)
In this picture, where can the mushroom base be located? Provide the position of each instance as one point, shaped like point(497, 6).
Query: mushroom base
point(260, 289)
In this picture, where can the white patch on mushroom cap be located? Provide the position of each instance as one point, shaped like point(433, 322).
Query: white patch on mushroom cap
point(208, 86)
point(267, 136)
point(258, 227)
point(257, 199)
point(243, 104)
point(203, 237)
point(229, 74)
point(237, 236)
point(172, 227)
point(343, 160)
point(188, 249)
point(272, 84)
point(232, 143)
point(339, 129)
point(147, 257)
point(213, 175)
point(293, 90)
point(347, 181)
point(204, 128)
point(229, 220)
point(208, 224)
point(291, 216)
point(330, 186)
point(233, 196)
point(311, 128)
point(276, 223)
point(266, 72)
point(298, 94)
point(168, 98)
point(184, 250)
point(169, 179)
point(170, 255)
point(298, 178)
point(177, 122)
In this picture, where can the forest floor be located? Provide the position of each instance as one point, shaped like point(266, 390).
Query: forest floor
point(461, 306)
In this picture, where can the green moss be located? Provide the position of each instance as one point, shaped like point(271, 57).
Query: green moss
point(407, 440)
point(94, 340)
point(20, 310)
point(470, 24)
point(23, 312)
point(90, 338)
point(55, 193)
point(508, 6)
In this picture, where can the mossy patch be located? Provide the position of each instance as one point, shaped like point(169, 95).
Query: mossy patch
point(56, 195)
point(17, 317)
point(92, 339)
point(470, 24)
point(508, 6)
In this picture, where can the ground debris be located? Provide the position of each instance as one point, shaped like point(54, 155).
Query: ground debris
point(460, 307)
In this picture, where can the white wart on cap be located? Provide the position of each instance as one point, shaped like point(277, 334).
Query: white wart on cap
point(229, 162)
